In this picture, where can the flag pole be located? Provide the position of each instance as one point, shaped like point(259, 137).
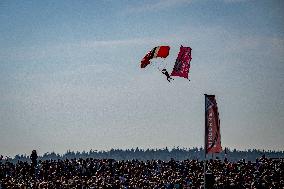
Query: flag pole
point(205, 141)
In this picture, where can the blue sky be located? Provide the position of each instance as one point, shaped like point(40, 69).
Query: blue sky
point(70, 75)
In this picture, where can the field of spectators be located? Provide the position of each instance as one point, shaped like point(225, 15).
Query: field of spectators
point(89, 173)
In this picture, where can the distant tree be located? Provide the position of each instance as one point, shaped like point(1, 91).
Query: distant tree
point(148, 154)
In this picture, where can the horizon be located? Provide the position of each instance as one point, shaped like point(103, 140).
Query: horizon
point(70, 75)
point(200, 149)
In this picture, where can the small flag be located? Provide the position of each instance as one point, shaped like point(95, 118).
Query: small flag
point(182, 63)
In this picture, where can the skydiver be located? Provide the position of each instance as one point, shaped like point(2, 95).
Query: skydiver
point(166, 73)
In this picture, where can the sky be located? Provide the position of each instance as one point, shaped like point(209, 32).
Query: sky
point(70, 76)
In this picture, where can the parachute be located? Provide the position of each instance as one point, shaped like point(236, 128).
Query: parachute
point(182, 63)
point(159, 51)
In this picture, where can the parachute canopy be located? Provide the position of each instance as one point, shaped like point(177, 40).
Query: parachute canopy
point(160, 51)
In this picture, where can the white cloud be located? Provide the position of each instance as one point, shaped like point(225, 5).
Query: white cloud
point(235, 1)
point(76, 49)
point(156, 6)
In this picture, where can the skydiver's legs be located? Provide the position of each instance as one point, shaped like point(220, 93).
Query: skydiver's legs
point(170, 78)
point(166, 73)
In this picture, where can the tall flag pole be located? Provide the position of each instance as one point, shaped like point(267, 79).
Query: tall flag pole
point(226, 153)
point(205, 145)
point(212, 139)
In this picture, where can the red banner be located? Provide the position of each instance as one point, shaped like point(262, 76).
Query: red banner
point(212, 126)
point(182, 63)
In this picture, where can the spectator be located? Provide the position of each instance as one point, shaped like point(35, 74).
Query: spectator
point(133, 174)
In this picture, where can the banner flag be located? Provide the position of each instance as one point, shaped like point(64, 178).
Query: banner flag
point(212, 126)
point(182, 63)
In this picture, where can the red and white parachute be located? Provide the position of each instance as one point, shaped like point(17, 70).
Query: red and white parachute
point(182, 64)
point(160, 51)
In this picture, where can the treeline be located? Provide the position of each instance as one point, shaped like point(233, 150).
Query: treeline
point(162, 154)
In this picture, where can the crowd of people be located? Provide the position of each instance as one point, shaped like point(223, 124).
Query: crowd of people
point(91, 173)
